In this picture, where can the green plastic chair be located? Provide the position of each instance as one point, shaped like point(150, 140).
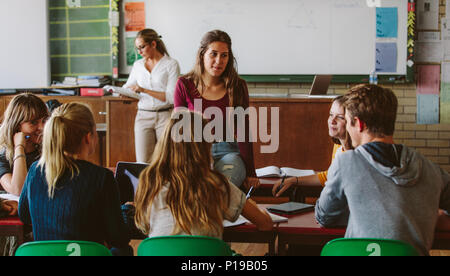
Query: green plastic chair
point(368, 247)
point(184, 246)
point(62, 248)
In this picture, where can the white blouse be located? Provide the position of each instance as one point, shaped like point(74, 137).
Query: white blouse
point(163, 78)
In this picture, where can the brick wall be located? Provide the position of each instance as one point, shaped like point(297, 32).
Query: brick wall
point(433, 141)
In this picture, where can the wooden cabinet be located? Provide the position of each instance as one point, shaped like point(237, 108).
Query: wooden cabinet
point(120, 131)
point(304, 142)
point(303, 132)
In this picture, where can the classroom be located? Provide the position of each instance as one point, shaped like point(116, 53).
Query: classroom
point(141, 66)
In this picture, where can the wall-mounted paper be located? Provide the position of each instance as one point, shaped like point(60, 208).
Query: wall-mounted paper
point(134, 16)
point(387, 22)
point(427, 14)
point(427, 109)
point(428, 79)
point(445, 113)
point(445, 36)
point(429, 51)
point(445, 92)
point(386, 57)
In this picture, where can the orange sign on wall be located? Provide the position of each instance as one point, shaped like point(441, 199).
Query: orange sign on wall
point(134, 16)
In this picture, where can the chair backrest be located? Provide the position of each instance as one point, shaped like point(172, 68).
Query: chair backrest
point(368, 247)
point(62, 248)
point(183, 246)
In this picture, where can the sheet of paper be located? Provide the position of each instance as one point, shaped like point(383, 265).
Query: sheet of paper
point(429, 37)
point(386, 57)
point(447, 7)
point(10, 197)
point(427, 14)
point(387, 22)
point(445, 36)
point(429, 51)
point(134, 16)
point(445, 92)
point(427, 109)
point(428, 80)
point(445, 112)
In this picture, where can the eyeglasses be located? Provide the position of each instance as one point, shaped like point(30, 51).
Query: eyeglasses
point(140, 48)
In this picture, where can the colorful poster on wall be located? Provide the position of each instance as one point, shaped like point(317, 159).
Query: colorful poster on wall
point(387, 22)
point(134, 16)
point(132, 54)
point(427, 109)
point(445, 93)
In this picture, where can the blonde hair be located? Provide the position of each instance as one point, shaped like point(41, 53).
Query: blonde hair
point(63, 134)
point(197, 195)
point(22, 108)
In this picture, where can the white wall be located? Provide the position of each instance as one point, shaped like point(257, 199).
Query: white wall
point(24, 44)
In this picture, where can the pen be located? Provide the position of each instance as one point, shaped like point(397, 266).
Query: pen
point(249, 192)
point(282, 183)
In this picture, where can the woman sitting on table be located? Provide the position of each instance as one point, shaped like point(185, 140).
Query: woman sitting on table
point(20, 139)
point(154, 77)
point(342, 142)
point(65, 197)
point(180, 194)
point(215, 83)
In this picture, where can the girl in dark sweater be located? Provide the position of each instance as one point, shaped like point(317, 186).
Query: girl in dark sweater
point(64, 196)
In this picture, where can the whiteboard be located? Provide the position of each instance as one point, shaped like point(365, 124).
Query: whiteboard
point(281, 37)
point(24, 47)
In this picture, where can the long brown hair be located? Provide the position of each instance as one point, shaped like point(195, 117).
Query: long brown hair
point(197, 195)
point(22, 108)
point(63, 134)
point(234, 85)
point(150, 35)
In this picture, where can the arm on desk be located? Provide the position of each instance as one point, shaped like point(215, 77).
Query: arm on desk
point(306, 181)
point(257, 216)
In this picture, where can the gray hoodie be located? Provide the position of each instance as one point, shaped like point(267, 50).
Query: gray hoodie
point(397, 202)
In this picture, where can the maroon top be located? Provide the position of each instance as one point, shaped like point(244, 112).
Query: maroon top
point(185, 94)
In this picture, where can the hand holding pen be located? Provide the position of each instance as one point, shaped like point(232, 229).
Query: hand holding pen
point(278, 189)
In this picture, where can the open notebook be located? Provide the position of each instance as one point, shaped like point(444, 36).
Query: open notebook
point(242, 220)
point(274, 171)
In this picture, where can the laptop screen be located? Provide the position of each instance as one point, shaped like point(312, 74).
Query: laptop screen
point(320, 84)
point(127, 177)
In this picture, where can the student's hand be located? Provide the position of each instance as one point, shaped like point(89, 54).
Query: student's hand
point(10, 206)
point(288, 182)
point(252, 182)
point(19, 139)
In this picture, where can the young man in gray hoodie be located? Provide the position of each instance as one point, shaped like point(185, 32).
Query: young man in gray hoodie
point(381, 189)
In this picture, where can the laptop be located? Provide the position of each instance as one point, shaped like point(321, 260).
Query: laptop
point(320, 84)
point(127, 177)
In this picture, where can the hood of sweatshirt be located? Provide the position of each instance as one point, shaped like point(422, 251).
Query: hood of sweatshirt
point(399, 163)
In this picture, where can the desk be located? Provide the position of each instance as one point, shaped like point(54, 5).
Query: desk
point(248, 233)
point(303, 229)
point(12, 226)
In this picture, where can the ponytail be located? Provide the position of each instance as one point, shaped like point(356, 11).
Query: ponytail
point(63, 134)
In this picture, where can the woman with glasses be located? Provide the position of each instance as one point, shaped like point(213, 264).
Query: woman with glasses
point(154, 77)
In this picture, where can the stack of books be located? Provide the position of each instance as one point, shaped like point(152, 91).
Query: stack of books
point(86, 81)
point(93, 81)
